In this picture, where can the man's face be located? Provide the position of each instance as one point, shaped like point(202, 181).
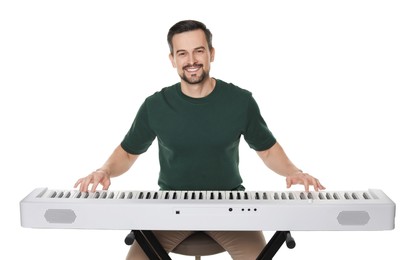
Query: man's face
point(191, 56)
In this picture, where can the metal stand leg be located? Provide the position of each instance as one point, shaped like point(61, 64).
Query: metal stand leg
point(153, 249)
point(149, 244)
point(275, 244)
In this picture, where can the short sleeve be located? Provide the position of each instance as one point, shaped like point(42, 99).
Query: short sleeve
point(140, 136)
point(256, 133)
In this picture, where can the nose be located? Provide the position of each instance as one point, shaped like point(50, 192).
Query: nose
point(192, 59)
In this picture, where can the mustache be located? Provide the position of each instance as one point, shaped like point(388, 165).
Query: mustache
point(192, 65)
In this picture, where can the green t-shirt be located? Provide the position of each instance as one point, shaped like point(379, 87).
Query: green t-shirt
point(198, 138)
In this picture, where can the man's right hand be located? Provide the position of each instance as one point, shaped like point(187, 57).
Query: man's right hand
point(97, 177)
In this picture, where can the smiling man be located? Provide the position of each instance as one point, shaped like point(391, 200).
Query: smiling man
point(198, 123)
point(192, 60)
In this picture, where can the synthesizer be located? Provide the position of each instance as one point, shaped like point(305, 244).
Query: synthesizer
point(208, 210)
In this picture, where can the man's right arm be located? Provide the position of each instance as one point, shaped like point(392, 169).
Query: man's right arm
point(118, 163)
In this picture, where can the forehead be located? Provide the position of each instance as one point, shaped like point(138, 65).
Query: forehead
point(189, 40)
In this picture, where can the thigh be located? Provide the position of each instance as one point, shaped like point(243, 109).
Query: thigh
point(241, 245)
point(168, 239)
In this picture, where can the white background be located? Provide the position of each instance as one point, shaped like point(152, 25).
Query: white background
point(327, 75)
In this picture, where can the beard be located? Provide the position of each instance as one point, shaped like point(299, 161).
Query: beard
point(194, 78)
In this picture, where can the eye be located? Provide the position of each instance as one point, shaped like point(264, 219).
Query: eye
point(181, 54)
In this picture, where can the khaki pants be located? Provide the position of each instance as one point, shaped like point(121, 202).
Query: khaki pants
point(241, 245)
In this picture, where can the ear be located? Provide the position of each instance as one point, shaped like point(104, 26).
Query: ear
point(212, 54)
point(172, 59)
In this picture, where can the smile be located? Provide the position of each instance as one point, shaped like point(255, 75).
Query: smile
point(193, 68)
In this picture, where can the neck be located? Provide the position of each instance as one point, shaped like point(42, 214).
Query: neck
point(200, 90)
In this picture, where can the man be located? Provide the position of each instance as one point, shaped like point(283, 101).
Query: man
point(198, 123)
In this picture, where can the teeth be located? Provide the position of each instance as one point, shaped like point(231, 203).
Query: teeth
point(193, 69)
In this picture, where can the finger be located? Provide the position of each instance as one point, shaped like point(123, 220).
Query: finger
point(318, 184)
point(106, 184)
point(288, 182)
point(84, 187)
point(77, 183)
point(94, 186)
point(96, 182)
point(321, 186)
point(80, 184)
point(306, 184)
point(315, 184)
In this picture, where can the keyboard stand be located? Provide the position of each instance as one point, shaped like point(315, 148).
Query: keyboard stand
point(275, 244)
point(154, 250)
point(149, 243)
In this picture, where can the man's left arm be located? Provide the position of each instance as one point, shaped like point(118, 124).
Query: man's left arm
point(276, 159)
